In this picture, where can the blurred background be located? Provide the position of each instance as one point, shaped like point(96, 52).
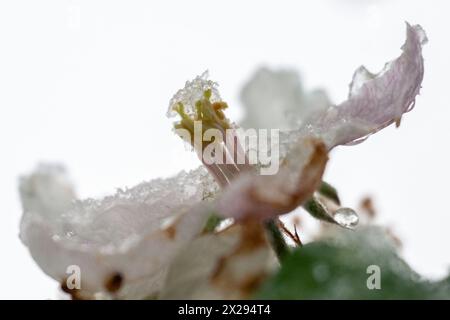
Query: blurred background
point(87, 84)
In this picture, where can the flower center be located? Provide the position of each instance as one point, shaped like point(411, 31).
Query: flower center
point(205, 127)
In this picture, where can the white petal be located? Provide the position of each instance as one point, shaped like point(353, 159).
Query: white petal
point(227, 265)
point(275, 99)
point(127, 233)
point(48, 191)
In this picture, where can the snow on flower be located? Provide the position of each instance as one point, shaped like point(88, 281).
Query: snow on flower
point(125, 243)
point(375, 101)
point(133, 233)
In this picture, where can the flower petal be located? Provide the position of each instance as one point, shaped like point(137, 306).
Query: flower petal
point(228, 265)
point(375, 100)
point(275, 99)
point(261, 197)
point(48, 190)
point(128, 233)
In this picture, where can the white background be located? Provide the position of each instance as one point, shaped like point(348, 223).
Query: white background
point(87, 83)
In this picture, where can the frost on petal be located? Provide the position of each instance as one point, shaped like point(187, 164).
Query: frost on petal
point(192, 92)
point(375, 100)
point(134, 232)
point(275, 99)
point(261, 197)
point(228, 265)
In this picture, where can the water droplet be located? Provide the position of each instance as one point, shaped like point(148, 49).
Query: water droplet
point(346, 217)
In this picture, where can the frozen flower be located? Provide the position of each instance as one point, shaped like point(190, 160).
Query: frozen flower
point(127, 243)
point(375, 101)
point(247, 194)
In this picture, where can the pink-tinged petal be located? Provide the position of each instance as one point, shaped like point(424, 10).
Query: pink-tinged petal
point(133, 233)
point(252, 196)
point(375, 100)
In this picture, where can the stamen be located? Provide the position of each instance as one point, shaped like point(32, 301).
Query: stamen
point(200, 109)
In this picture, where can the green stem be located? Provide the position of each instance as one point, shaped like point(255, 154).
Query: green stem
point(276, 238)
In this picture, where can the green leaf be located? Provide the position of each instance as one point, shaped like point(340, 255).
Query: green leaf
point(316, 209)
point(338, 269)
point(329, 191)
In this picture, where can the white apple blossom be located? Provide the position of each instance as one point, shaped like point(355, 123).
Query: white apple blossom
point(133, 236)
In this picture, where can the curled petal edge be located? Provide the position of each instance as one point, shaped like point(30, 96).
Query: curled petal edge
point(375, 100)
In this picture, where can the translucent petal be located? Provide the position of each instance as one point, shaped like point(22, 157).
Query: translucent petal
point(134, 232)
point(275, 99)
point(47, 190)
point(375, 100)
